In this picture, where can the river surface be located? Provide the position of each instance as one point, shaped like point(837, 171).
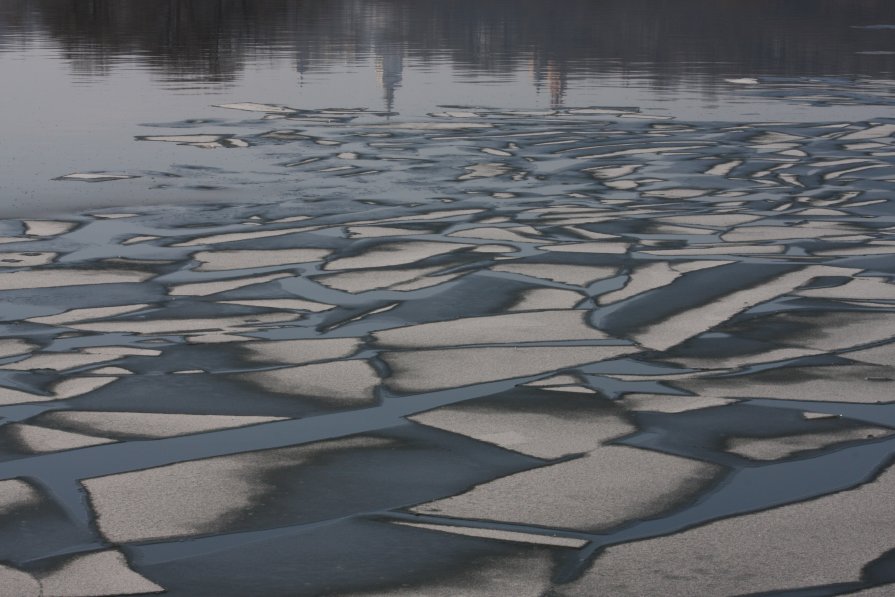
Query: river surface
point(447, 298)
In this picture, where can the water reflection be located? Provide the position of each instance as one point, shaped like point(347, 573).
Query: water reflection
point(123, 64)
point(675, 43)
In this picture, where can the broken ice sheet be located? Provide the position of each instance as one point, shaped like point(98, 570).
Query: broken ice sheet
point(67, 388)
point(687, 324)
point(534, 421)
point(95, 574)
point(123, 425)
point(775, 448)
point(51, 278)
point(574, 275)
point(391, 254)
point(300, 352)
point(15, 494)
point(180, 326)
point(200, 496)
point(541, 326)
point(841, 383)
point(37, 439)
point(425, 371)
point(497, 535)
point(229, 260)
point(401, 279)
point(336, 383)
point(764, 552)
point(209, 288)
point(255, 107)
point(585, 493)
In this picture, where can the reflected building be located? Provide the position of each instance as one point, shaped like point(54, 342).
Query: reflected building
point(673, 44)
point(389, 72)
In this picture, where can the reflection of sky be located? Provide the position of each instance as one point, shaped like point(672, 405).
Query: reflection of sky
point(80, 93)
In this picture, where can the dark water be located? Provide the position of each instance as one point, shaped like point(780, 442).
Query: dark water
point(80, 78)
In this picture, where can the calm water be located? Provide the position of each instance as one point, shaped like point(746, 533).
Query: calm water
point(82, 79)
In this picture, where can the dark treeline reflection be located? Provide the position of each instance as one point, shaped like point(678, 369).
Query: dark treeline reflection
point(669, 40)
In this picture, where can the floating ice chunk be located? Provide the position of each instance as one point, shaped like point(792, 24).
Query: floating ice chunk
point(524, 574)
point(47, 227)
point(638, 151)
point(749, 548)
point(255, 107)
point(68, 388)
point(455, 114)
point(677, 193)
point(209, 288)
point(775, 138)
point(575, 275)
point(514, 234)
point(554, 380)
point(432, 215)
point(843, 383)
point(96, 574)
point(679, 327)
point(513, 536)
point(186, 139)
point(52, 278)
point(15, 494)
point(724, 168)
point(857, 288)
point(837, 331)
point(587, 493)
point(139, 239)
point(671, 404)
point(726, 249)
point(494, 249)
point(715, 220)
point(594, 248)
point(878, 355)
point(337, 383)
point(642, 279)
point(76, 315)
point(112, 371)
point(542, 326)
point(14, 346)
point(437, 126)
point(539, 299)
point(775, 448)
point(230, 260)
point(485, 170)
point(742, 360)
point(293, 304)
point(380, 231)
point(114, 216)
point(58, 361)
point(36, 439)
point(606, 172)
point(146, 425)
point(300, 352)
point(391, 254)
point(424, 370)
point(180, 326)
point(96, 176)
point(18, 583)
point(200, 496)
point(766, 233)
point(548, 430)
point(873, 132)
point(240, 236)
point(365, 280)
